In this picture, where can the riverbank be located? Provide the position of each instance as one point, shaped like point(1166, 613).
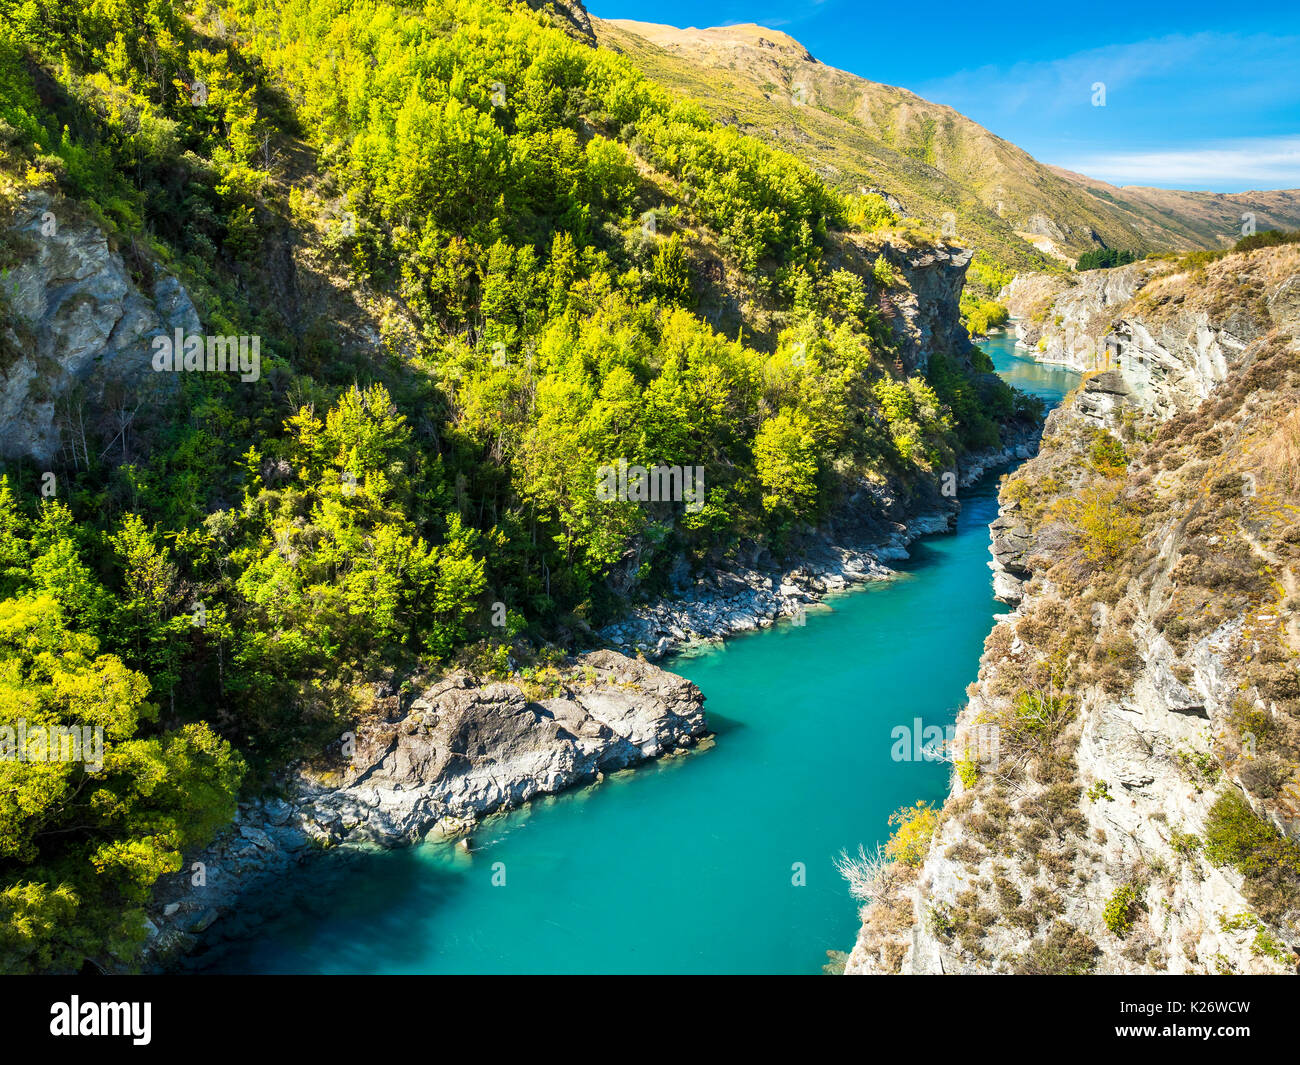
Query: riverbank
point(715, 861)
point(462, 750)
point(400, 786)
point(742, 598)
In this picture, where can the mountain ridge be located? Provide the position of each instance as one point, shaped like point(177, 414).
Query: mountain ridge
point(933, 159)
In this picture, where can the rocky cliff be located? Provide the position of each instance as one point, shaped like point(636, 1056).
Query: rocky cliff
point(75, 332)
point(1066, 319)
point(1140, 808)
point(926, 317)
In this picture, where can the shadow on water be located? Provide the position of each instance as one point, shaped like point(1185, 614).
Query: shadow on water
point(352, 907)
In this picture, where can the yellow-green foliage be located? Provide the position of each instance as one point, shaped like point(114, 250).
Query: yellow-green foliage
point(981, 313)
point(470, 192)
point(884, 273)
point(82, 840)
point(1121, 909)
point(1107, 454)
point(869, 212)
point(915, 417)
point(915, 826)
point(1266, 944)
point(1104, 524)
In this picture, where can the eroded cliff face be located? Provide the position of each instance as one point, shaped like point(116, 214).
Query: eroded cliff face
point(1142, 810)
point(928, 315)
point(1067, 319)
point(921, 305)
point(75, 350)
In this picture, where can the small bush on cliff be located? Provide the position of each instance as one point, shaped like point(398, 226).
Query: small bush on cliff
point(1100, 791)
point(1122, 909)
point(1041, 713)
point(1104, 524)
point(911, 839)
point(1238, 837)
point(1107, 454)
point(1064, 951)
point(1266, 945)
point(941, 920)
point(883, 272)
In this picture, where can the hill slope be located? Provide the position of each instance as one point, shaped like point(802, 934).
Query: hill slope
point(932, 158)
point(471, 266)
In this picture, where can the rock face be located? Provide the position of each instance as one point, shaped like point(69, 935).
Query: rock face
point(459, 752)
point(1067, 320)
point(572, 18)
point(928, 319)
point(1177, 654)
point(78, 333)
point(464, 750)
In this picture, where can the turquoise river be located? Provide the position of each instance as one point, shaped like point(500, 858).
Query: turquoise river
point(690, 865)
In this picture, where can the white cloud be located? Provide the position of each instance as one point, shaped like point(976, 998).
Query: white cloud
point(1205, 110)
point(1253, 163)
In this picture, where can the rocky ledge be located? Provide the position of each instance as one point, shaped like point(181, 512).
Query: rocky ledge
point(460, 751)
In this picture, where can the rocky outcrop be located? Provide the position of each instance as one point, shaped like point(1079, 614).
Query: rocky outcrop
point(1068, 319)
point(460, 751)
point(571, 16)
point(76, 333)
point(1100, 401)
point(926, 317)
point(464, 749)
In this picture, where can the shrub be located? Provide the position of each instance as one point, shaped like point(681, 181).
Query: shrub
point(1270, 238)
point(1104, 524)
point(1121, 910)
point(1064, 951)
point(1200, 766)
point(911, 839)
point(1266, 945)
point(1100, 790)
point(1040, 713)
point(941, 920)
point(1107, 454)
point(884, 273)
point(1238, 837)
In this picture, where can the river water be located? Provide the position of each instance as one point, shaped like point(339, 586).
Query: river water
point(720, 861)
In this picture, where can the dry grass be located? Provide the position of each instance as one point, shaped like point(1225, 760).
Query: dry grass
point(1280, 458)
point(870, 876)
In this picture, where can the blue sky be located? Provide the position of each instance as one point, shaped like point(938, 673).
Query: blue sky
point(1198, 95)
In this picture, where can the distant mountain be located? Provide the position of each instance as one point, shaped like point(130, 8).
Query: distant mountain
point(932, 159)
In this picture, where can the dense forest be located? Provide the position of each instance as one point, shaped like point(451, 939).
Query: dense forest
point(552, 264)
